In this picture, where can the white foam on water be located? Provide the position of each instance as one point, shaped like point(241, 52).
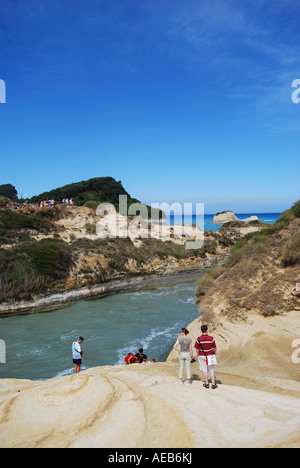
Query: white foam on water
point(169, 333)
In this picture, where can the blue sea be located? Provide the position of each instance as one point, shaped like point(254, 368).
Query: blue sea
point(206, 222)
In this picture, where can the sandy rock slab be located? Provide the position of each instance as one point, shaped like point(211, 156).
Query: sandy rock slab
point(142, 406)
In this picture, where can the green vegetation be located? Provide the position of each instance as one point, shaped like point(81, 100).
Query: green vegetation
point(288, 216)
point(92, 192)
point(13, 225)
point(31, 267)
point(9, 191)
point(252, 243)
point(291, 251)
point(98, 189)
point(51, 258)
point(4, 201)
point(257, 242)
point(249, 253)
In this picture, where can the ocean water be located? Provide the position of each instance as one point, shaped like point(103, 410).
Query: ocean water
point(206, 222)
point(38, 346)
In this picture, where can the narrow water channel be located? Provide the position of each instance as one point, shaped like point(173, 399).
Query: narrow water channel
point(38, 346)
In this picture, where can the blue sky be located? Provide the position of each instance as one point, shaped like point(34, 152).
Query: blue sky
point(184, 101)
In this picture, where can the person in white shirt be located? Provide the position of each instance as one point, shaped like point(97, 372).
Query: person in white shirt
point(77, 354)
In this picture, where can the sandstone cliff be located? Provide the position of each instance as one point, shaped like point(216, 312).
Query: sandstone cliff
point(143, 405)
point(58, 250)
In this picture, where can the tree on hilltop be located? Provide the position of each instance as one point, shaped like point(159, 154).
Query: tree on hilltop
point(9, 191)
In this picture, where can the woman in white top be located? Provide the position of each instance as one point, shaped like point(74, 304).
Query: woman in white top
point(185, 354)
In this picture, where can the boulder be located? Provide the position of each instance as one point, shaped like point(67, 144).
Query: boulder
point(224, 217)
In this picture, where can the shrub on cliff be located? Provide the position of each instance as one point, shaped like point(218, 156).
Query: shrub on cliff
point(31, 267)
point(253, 278)
point(291, 252)
point(288, 216)
point(13, 221)
point(14, 226)
point(51, 257)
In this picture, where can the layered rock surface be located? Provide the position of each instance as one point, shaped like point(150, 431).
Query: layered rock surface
point(143, 405)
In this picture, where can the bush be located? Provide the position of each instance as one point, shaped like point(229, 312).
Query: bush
point(51, 257)
point(13, 221)
point(288, 216)
point(291, 252)
point(254, 243)
point(30, 267)
point(9, 191)
point(204, 285)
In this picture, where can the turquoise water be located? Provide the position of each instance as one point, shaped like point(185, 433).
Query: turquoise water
point(38, 346)
point(206, 222)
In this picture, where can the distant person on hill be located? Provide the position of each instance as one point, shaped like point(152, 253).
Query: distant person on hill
point(77, 354)
point(185, 354)
point(206, 346)
point(141, 356)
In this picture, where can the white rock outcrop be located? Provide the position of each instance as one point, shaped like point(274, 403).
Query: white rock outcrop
point(227, 216)
point(224, 217)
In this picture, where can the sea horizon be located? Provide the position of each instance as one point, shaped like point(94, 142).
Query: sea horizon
point(206, 222)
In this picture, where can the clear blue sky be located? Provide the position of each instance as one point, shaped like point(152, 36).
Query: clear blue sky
point(184, 101)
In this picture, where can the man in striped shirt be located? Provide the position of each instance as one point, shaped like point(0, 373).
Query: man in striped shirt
point(206, 346)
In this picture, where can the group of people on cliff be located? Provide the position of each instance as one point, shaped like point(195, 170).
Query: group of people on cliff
point(205, 347)
point(138, 358)
point(131, 358)
point(51, 203)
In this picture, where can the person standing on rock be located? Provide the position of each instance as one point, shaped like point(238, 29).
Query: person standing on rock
point(77, 354)
point(185, 354)
point(206, 346)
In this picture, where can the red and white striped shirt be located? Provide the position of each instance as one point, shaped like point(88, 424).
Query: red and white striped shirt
point(208, 344)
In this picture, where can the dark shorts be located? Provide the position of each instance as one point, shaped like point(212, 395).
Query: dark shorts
point(77, 361)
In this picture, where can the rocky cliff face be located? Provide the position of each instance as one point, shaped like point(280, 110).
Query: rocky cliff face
point(260, 273)
point(56, 250)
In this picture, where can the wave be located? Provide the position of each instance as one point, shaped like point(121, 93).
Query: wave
point(169, 333)
point(190, 300)
point(67, 336)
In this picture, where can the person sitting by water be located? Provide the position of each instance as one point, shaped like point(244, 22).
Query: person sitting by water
point(131, 359)
point(141, 356)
